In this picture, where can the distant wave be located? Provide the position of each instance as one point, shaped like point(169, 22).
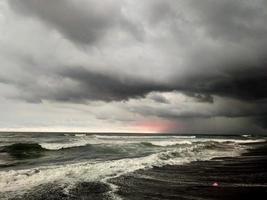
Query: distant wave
point(80, 135)
point(237, 141)
point(27, 148)
point(143, 137)
point(22, 147)
point(246, 136)
point(58, 146)
point(34, 150)
point(209, 143)
point(23, 150)
point(84, 141)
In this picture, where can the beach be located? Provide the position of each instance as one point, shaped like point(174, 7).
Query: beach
point(132, 167)
point(243, 177)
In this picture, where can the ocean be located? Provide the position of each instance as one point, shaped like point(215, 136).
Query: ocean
point(131, 166)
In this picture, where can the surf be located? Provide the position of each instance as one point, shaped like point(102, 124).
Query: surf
point(70, 174)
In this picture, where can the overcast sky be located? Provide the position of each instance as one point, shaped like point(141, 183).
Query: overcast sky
point(183, 66)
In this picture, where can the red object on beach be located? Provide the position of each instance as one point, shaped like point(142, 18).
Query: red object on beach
point(215, 184)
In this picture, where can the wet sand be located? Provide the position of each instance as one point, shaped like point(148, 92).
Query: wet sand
point(243, 177)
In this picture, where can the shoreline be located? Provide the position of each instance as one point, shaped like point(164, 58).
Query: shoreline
point(242, 177)
point(224, 178)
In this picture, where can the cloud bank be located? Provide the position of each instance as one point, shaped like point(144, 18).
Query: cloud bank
point(198, 64)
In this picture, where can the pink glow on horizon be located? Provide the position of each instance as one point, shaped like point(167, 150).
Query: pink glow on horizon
point(215, 184)
point(158, 126)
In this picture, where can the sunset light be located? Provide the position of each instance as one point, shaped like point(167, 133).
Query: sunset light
point(157, 126)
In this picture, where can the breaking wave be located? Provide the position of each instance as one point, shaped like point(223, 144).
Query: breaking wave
point(83, 141)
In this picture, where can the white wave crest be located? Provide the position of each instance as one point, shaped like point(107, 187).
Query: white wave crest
point(170, 143)
point(132, 137)
point(57, 146)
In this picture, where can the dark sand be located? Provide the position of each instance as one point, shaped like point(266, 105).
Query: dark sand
point(243, 177)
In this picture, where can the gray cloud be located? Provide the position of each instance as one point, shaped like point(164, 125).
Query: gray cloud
point(138, 50)
point(78, 84)
point(106, 87)
point(81, 85)
point(233, 21)
point(200, 97)
point(228, 108)
point(193, 113)
point(245, 84)
point(237, 77)
point(82, 21)
point(158, 98)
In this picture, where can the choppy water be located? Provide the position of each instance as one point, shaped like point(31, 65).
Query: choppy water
point(36, 161)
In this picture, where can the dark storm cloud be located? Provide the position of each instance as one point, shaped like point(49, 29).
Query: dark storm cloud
point(203, 49)
point(200, 97)
point(258, 112)
point(82, 21)
point(110, 88)
point(232, 20)
point(248, 85)
point(245, 84)
point(80, 85)
point(211, 72)
point(223, 71)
